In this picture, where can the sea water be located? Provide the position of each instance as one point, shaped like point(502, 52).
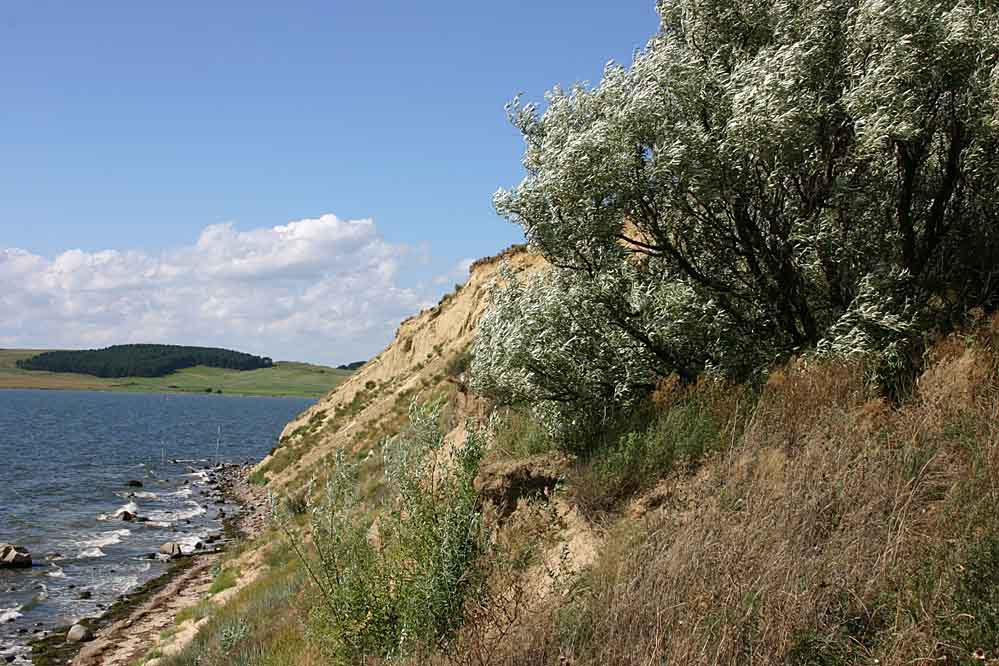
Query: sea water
point(66, 458)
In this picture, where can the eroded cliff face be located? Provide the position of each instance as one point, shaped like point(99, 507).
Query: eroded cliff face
point(420, 362)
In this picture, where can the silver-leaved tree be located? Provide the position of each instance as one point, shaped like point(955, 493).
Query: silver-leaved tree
point(768, 177)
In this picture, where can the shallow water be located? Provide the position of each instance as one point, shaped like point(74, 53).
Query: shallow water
point(65, 460)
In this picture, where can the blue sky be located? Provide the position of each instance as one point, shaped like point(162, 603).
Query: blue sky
point(134, 127)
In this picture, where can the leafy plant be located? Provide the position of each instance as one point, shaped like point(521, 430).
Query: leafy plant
point(408, 591)
point(766, 178)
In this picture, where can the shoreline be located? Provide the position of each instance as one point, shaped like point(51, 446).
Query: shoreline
point(128, 629)
point(221, 394)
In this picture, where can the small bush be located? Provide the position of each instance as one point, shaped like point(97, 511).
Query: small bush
point(296, 504)
point(409, 592)
point(975, 624)
point(680, 435)
point(257, 627)
point(459, 364)
point(225, 579)
point(518, 435)
point(196, 612)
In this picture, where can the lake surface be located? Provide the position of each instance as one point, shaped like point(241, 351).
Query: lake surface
point(65, 460)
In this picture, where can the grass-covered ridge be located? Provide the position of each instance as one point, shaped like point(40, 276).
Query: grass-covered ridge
point(281, 379)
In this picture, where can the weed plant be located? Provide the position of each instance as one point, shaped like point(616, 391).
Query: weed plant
point(407, 593)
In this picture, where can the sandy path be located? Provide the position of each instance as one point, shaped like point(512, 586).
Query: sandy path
point(127, 640)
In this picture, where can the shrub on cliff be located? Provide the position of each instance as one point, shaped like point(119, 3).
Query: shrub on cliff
point(765, 177)
point(404, 590)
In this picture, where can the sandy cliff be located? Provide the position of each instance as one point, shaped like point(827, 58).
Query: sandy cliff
point(373, 402)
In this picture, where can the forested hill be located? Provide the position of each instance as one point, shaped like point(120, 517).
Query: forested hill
point(141, 360)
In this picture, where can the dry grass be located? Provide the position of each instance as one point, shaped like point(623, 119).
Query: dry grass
point(835, 530)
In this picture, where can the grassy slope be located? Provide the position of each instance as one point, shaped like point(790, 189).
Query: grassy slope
point(806, 523)
point(284, 379)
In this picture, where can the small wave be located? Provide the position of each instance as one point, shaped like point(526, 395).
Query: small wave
point(106, 539)
point(194, 509)
point(157, 523)
point(14, 653)
point(91, 553)
point(131, 507)
point(188, 542)
point(58, 573)
point(142, 494)
point(8, 614)
point(120, 584)
point(183, 492)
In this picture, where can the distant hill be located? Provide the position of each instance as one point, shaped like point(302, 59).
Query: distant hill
point(281, 379)
point(356, 365)
point(142, 360)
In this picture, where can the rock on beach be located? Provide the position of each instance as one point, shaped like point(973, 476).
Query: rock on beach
point(79, 634)
point(14, 556)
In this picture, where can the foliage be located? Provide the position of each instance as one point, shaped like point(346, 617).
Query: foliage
point(408, 591)
point(679, 436)
point(458, 364)
point(256, 627)
point(141, 360)
point(225, 579)
point(832, 530)
point(517, 435)
point(759, 175)
point(976, 624)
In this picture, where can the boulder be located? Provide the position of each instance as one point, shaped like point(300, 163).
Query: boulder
point(79, 634)
point(171, 549)
point(128, 516)
point(14, 556)
point(134, 483)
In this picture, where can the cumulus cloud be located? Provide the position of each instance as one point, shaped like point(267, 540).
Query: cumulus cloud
point(458, 273)
point(324, 289)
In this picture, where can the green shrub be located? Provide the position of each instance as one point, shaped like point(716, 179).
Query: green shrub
point(975, 623)
point(195, 612)
point(459, 364)
point(225, 579)
point(255, 628)
point(680, 435)
point(409, 592)
point(518, 435)
point(296, 504)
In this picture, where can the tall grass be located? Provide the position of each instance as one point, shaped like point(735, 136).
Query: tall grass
point(833, 529)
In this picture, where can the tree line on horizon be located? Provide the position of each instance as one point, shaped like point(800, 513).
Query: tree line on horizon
point(141, 360)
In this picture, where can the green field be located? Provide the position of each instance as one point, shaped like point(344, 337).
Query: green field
point(283, 379)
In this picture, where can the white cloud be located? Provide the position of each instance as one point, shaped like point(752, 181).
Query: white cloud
point(458, 273)
point(324, 289)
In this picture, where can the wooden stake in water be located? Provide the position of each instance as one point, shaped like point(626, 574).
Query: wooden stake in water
point(218, 443)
